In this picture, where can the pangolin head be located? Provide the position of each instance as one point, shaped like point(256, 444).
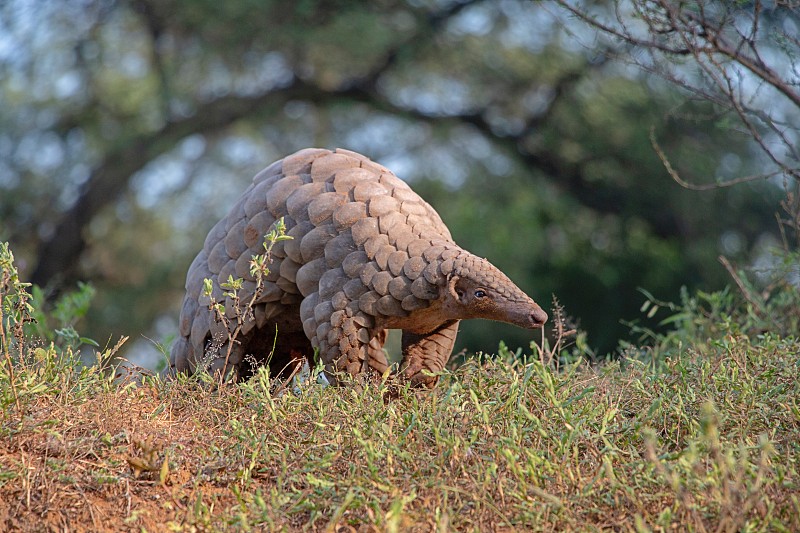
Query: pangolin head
point(478, 289)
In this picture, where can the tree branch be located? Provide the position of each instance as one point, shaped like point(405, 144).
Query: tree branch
point(715, 41)
point(58, 255)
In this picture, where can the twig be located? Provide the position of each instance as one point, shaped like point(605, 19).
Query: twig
point(739, 283)
point(709, 186)
point(297, 367)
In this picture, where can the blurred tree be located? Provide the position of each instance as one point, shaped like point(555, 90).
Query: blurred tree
point(127, 127)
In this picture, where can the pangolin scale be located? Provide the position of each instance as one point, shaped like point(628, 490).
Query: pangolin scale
point(367, 255)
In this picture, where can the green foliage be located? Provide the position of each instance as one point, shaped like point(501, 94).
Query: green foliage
point(23, 311)
point(703, 319)
point(50, 365)
point(14, 299)
point(59, 324)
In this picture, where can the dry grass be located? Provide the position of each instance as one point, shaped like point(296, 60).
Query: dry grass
point(704, 437)
point(708, 442)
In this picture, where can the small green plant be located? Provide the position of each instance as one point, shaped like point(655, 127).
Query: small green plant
point(761, 301)
point(15, 312)
point(58, 325)
point(242, 311)
point(700, 319)
point(35, 360)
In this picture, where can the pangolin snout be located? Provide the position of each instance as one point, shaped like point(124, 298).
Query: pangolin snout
point(526, 315)
point(538, 317)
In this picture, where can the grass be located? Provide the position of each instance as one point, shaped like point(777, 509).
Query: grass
point(703, 438)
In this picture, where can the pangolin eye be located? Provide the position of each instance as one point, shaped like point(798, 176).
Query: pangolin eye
point(480, 293)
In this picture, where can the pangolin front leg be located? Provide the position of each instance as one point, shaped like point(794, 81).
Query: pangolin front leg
point(429, 351)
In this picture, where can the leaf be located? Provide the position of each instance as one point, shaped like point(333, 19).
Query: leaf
point(208, 287)
point(138, 465)
point(90, 342)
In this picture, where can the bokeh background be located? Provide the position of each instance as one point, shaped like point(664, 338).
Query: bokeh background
point(129, 127)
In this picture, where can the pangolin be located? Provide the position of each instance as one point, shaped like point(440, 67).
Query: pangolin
point(367, 255)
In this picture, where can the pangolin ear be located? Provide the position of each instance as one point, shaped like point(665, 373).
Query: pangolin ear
point(452, 288)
